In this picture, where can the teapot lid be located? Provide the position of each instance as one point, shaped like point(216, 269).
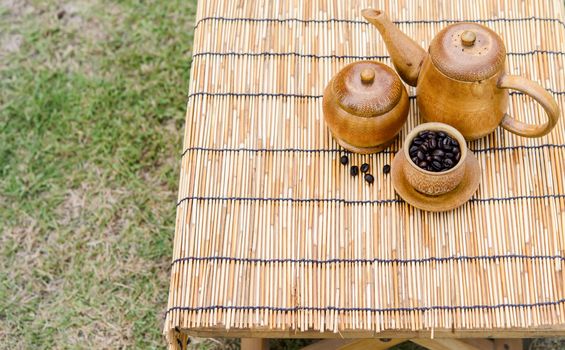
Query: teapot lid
point(468, 51)
point(367, 88)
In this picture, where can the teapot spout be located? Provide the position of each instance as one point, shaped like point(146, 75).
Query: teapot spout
point(407, 56)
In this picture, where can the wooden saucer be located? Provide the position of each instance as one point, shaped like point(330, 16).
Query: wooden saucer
point(444, 202)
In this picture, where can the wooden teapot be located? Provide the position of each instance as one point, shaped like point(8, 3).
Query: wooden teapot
point(461, 80)
point(365, 106)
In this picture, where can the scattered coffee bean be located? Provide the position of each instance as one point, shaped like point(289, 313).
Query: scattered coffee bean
point(434, 151)
point(354, 171)
point(344, 160)
point(386, 169)
point(364, 167)
point(369, 178)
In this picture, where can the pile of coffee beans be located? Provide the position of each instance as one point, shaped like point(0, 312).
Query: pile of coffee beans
point(434, 151)
point(354, 170)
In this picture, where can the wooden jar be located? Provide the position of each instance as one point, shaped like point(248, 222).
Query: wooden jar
point(365, 106)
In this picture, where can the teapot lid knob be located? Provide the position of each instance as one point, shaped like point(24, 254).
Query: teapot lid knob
point(468, 38)
point(367, 75)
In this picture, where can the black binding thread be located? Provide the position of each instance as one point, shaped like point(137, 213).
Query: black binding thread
point(344, 151)
point(356, 57)
point(306, 96)
point(362, 22)
point(368, 309)
point(354, 202)
point(461, 258)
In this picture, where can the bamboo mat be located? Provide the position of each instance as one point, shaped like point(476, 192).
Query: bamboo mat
point(274, 237)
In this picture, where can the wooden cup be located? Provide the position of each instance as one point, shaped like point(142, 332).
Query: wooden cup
point(429, 182)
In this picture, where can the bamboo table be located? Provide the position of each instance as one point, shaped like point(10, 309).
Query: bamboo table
point(274, 238)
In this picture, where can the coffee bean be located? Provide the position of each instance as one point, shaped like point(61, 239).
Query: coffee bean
point(386, 169)
point(420, 155)
point(448, 163)
point(354, 171)
point(364, 167)
point(369, 178)
point(344, 160)
point(434, 151)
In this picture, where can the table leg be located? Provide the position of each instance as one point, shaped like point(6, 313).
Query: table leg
point(508, 344)
point(443, 344)
point(254, 344)
point(354, 344)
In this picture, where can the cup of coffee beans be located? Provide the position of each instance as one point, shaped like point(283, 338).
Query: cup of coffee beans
point(434, 158)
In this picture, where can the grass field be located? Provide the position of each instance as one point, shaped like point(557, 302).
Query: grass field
point(92, 102)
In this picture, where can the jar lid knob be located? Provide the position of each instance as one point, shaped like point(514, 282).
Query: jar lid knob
point(367, 75)
point(468, 38)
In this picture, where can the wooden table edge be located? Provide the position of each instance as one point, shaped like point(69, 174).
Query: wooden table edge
point(538, 332)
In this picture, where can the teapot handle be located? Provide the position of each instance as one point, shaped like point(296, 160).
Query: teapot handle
point(543, 97)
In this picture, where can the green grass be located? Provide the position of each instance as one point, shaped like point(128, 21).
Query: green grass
point(91, 115)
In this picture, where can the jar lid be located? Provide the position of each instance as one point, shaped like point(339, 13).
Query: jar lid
point(468, 52)
point(367, 88)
